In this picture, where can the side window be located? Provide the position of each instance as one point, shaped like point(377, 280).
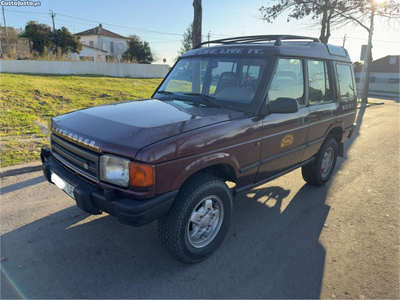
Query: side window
point(250, 75)
point(345, 79)
point(318, 82)
point(288, 81)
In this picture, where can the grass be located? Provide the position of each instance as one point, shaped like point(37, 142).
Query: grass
point(28, 101)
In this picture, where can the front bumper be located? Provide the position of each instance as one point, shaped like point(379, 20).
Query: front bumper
point(95, 201)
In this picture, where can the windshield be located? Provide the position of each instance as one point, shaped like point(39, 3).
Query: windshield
point(221, 81)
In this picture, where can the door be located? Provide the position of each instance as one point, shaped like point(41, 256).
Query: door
point(323, 108)
point(347, 96)
point(284, 135)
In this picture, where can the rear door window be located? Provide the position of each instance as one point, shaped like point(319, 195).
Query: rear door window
point(346, 85)
point(318, 82)
point(250, 75)
point(288, 81)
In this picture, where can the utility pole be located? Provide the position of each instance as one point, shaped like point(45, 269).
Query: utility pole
point(5, 24)
point(197, 20)
point(53, 16)
point(344, 39)
point(208, 37)
point(196, 39)
point(369, 56)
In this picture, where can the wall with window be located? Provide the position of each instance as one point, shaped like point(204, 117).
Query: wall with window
point(114, 46)
point(386, 82)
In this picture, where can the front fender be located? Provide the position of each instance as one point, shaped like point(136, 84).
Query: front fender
point(204, 162)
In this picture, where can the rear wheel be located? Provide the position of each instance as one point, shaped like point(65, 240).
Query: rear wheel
point(198, 220)
point(321, 169)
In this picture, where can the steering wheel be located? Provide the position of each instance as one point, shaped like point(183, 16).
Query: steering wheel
point(247, 85)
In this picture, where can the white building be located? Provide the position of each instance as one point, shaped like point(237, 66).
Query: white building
point(98, 39)
point(90, 54)
point(385, 75)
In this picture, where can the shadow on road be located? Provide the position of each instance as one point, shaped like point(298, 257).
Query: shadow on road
point(269, 253)
point(21, 185)
point(272, 251)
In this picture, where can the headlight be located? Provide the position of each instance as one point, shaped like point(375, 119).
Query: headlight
point(121, 171)
point(114, 170)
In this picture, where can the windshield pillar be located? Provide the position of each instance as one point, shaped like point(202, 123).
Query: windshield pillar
point(196, 77)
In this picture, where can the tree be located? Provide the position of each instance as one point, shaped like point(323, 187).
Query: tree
point(42, 37)
point(39, 35)
point(138, 50)
point(197, 20)
point(361, 12)
point(356, 64)
point(329, 13)
point(187, 41)
point(65, 41)
point(322, 10)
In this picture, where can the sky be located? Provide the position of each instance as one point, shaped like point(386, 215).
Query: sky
point(162, 23)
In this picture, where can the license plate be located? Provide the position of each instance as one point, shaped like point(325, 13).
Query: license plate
point(62, 184)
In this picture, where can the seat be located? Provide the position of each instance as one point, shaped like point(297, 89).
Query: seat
point(226, 80)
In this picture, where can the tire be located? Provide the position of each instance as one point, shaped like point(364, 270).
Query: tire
point(314, 173)
point(178, 233)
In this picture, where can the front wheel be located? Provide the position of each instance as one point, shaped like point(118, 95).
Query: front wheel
point(198, 220)
point(321, 169)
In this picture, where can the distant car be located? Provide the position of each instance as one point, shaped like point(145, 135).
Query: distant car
point(248, 112)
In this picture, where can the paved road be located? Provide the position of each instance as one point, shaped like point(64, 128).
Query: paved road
point(288, 240)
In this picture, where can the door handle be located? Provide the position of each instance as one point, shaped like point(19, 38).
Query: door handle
point(304, 120)
point(333, 112)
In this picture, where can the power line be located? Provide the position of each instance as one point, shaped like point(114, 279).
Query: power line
point(152, 31)
point(362, 39)
point(114, 25)
point(109, 24)
point(165, 42)
point(27, 12)
point(133, 28)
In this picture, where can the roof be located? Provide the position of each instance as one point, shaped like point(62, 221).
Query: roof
point(258, 46)
point(94, 48)
point(387, 64)
point(99, 30)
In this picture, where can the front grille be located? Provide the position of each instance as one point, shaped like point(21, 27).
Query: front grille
point(80, 160)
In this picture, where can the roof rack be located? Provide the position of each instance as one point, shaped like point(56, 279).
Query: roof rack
point(258, 38)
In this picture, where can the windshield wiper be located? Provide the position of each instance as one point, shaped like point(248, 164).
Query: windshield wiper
point(208, 98)
point(165, 92)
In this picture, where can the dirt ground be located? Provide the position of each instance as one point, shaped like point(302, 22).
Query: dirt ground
point(287, 239)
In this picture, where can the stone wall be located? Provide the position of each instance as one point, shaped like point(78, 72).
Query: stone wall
point(14, 47)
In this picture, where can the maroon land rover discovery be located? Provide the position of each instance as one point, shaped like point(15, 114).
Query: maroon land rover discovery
point(247, 110)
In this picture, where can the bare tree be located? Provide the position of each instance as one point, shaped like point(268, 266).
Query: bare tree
point(362, 13)
point(197, 20)
point(322, 11)
point(329, 13)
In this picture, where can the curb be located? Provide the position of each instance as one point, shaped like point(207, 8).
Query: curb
point(359, 105)
point(21, 169)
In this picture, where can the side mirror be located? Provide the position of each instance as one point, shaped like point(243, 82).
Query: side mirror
point(283, 106)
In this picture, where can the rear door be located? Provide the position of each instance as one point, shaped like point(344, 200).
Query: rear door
point(347, 96)
point(284, 135)
point(323, 108)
